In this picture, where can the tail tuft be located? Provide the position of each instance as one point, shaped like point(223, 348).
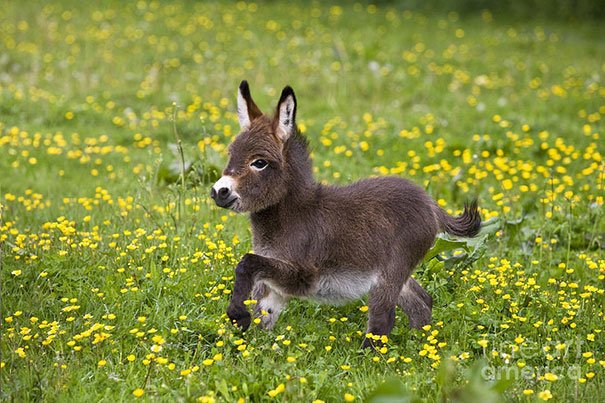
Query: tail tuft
point(467, 224)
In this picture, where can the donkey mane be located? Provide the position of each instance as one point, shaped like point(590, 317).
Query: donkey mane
point(296, 152)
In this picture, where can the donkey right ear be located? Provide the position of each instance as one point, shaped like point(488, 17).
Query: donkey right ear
point(247, 110)
point(286, 114)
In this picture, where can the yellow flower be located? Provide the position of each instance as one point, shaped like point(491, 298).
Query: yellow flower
point(102, 363)
point(158, 339)
point(545, 395)
point(349, 397)
point(549, 376)
point(274, 392)
point(138, 392)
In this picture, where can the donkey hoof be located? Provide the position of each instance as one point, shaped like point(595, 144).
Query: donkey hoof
point(240, 317)
point(372, 344)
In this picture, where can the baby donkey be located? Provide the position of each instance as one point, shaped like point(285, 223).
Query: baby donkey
point(325, 243)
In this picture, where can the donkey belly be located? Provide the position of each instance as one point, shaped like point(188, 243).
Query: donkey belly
point(340, 287)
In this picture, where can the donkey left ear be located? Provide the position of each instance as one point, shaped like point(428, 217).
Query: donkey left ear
point(247, 110)
point(286, 114)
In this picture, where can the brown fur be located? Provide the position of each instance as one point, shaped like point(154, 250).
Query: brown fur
point(325, 242)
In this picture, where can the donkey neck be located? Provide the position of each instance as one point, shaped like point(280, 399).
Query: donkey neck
point(273, 225)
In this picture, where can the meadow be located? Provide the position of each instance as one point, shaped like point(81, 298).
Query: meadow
point(117, 267)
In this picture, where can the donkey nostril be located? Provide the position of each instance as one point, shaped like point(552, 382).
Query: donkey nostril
point(213, 193)
point(223, 192)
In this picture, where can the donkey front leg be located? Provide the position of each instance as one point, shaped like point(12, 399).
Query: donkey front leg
point(289, 278)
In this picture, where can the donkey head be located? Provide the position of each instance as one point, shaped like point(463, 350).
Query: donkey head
point(257, 173)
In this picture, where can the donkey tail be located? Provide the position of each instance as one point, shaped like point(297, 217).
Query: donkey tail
point(467, 224)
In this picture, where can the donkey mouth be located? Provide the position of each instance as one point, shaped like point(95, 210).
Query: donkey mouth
point(227, 204)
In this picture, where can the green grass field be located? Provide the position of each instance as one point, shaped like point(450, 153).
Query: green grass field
point(115, 275)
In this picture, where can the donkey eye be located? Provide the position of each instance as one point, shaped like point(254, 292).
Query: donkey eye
point(259, 164)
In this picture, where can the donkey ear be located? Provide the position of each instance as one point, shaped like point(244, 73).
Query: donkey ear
point(247, 110)
point(286, 114)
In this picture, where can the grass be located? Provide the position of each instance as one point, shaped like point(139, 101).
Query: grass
point(115, 276)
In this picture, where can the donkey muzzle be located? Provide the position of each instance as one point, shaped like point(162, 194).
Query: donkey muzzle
point(222, 192)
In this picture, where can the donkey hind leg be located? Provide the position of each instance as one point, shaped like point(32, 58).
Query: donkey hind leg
point(269, 304)
point(382, 302)
point(416, 303)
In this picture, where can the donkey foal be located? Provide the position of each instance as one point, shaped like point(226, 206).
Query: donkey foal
point(326, 243)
